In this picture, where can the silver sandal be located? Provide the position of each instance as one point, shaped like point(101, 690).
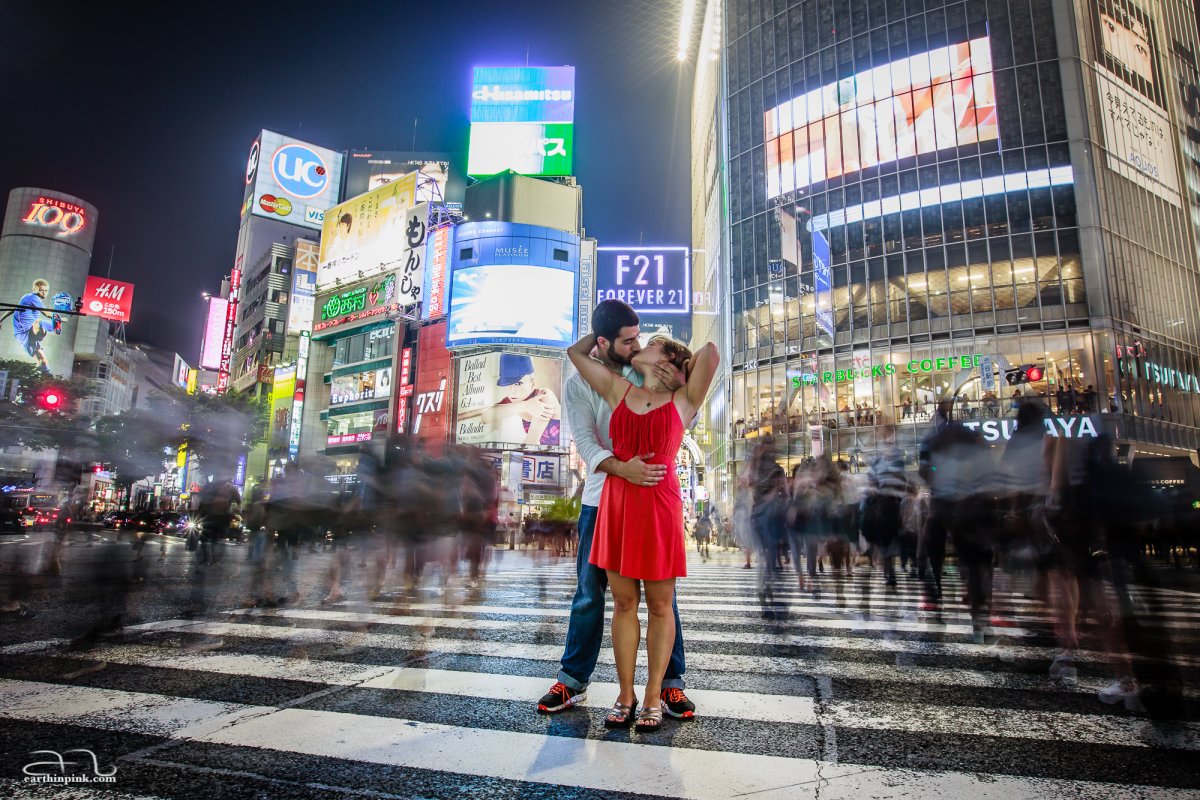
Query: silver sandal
point(650, 719)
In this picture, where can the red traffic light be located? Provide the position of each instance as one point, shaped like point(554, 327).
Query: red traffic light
point(51, 400)
point(1033, 374)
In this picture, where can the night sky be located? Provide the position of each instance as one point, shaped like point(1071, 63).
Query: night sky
point(150, 115)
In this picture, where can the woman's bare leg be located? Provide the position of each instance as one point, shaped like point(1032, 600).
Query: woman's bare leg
point(660, 634)
point(627, 632)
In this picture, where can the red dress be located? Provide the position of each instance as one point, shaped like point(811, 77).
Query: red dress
point(639, 529)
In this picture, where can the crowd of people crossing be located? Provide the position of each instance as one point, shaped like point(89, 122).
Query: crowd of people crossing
point(1054, 519)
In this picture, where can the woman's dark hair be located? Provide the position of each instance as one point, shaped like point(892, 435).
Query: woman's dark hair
point(610, 316)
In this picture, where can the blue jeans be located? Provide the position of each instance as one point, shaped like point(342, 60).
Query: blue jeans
point(585, 631)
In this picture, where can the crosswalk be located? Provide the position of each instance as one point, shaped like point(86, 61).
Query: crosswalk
point(833, 697)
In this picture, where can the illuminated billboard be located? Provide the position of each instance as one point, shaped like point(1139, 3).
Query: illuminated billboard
point(512, 284)
point(523, 94)
point(302, 302)
point(371, 384)
point(931, 101)
point(522, 119)
point(433, 392)
point(214, 333)
point(359, 301)
point(45, 254)
point(367, 170)
point(104, 297)
point(653, 280)
point(437, 262)
point(509, 398)
point(366, 235)
point(290, 180)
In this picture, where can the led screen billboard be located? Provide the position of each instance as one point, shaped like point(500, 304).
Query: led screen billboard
point(522, 120)
point(512, 283)
point(523, 94)
point(527, 148)
point(369, 169)
point(291, 180)
point(927, 102)
point(214, 333)
point(509, 398)
point(367, 235)
point(653, 280)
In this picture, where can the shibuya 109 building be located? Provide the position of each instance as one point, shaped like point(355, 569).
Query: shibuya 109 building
point(897, 203)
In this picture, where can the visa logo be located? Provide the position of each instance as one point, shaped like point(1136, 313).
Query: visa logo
point(314, 215)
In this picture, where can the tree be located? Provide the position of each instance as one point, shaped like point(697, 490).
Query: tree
point(137, 443)
point(27, 420)
point(216, 428)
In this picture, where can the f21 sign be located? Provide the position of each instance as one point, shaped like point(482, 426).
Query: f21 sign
point(654, 280)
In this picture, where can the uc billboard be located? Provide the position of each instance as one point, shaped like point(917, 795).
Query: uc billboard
point(522, 119)
point(291, 181)
point(512, 284)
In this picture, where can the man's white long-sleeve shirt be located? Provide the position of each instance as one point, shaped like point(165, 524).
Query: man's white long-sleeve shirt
point(588, 415)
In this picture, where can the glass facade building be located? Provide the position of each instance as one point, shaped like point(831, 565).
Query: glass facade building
point(977, 200)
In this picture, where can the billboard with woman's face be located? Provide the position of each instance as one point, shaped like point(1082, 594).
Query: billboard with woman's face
point(509, 398)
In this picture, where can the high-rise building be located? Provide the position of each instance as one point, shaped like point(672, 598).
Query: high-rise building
point(47, 238)
point(975, 201)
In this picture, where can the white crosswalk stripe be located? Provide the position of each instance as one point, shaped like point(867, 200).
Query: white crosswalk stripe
point(385, 683)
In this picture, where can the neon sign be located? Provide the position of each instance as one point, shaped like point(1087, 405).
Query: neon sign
point(915, 367)
point(47, 212)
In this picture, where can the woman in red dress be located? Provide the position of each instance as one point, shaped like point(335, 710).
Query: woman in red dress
point(639, 538)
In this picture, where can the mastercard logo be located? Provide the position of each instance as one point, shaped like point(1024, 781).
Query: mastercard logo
point(275, 205)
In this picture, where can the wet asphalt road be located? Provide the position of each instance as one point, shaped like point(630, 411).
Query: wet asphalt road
point(429, 693)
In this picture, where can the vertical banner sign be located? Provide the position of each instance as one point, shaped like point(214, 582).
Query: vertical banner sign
point(298, 396)
point(586, 276)
point(412, 275)
point(822, 284)
point(235, 285)
point(987, 375)
point(437, 257)
point(405, 391)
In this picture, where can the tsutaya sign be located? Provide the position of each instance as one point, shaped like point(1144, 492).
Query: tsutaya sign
point(994, 430)
point(1168, 376)
point(917, 366)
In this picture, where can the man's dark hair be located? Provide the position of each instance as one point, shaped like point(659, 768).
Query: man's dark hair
point(610, 316)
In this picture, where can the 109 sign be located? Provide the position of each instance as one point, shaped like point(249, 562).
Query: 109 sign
point(653, 280)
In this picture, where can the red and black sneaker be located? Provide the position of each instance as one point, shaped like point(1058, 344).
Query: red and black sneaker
point(675, 703)
point(560, 698)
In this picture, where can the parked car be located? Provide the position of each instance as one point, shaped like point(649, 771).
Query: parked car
point(12, 521)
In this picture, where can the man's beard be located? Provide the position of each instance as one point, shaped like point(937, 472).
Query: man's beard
point(617, 359)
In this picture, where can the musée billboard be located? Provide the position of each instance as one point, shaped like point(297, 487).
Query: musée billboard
point(512, 284)
point(290, 180)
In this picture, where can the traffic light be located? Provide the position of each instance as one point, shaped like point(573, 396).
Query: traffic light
point(1026, 373)
point(51, 399)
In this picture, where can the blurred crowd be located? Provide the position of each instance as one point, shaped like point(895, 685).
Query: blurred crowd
point(1056, 522)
